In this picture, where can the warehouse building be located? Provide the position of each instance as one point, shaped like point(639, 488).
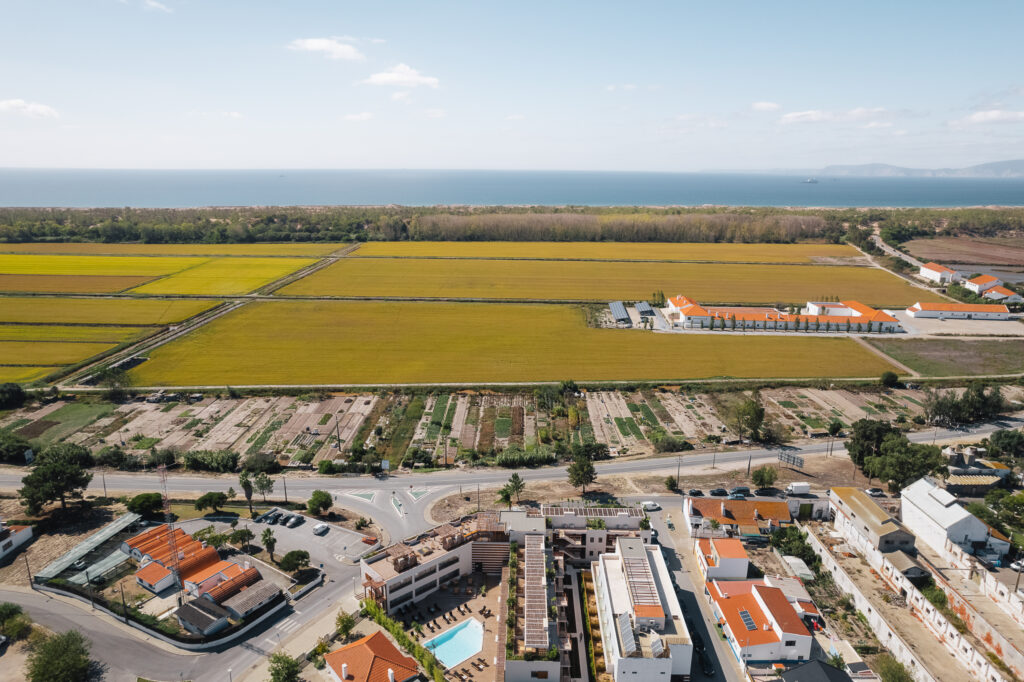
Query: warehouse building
point(939, 274)
point(960, 311)
point(619, 314)
point(845, 316)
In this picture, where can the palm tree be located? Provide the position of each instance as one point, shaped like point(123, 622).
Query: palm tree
point(505, 496)
point(517, 485)
point(269, 541)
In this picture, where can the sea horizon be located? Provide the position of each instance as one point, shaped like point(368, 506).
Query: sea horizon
point(193, 188)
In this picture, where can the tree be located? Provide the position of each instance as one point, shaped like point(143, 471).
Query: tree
point(517, 485)
point(283, 668)
point(319, 502)
point(241, 536)
point(56, 477)
point(764, 476)
point(116, 381)
point(900, 462)
point(12, 448)
point(747, 416)
point(582, 473)
point(891, 670)
point(671, 483)
point(269, 541)
point(835, 427)
point(263, 484)
point(505, 496)
point(344, 624)
point(245, 483)
point(211, 537)
point(60, 658)
point(70, 453)
point(866, 439)
point(889, 379)
point(1007, 443)
point(212, 501)
point(11, 396)
point(146, 504)
point(294, 560)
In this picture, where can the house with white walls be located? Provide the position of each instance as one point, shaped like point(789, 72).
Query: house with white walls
point(939, 274)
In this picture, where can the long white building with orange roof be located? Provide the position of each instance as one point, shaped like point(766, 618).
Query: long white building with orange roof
point(1003, 295)
point(939, 274)
point(844, 316)
point(960, 311)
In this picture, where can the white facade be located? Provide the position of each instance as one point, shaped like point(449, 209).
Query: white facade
point(778, 635)
point(424, 578)
point(985, 284)
point(12, 538)
point(531, 671)
point(954, 311)
point(721, 558)
point(938, 273)
point(642, 639)
point(1003, 295)
point(934, 516)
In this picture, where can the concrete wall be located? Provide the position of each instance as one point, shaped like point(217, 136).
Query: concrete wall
point(527, 671)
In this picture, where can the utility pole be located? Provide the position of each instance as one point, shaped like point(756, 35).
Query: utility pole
point(124, 606)
point(28, 570)
point(679, 460)
point(750, 455)
point(103, 475)
point(285, 482)
point(478, 497)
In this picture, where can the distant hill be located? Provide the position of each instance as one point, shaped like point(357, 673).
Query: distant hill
point(997, 169)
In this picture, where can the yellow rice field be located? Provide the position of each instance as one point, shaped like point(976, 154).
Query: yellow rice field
point(139, 266)
point(70, 284)
point(24, 374)
point(225, 276)
point(603, 281)
point(722, 253)
point(368, 342)
point(77, 333)
point(90, 248)
point(124, 312)
point(55, 353)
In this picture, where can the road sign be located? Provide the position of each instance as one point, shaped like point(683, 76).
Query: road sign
point(792, 460)
point(29, 456)
point(385, 465)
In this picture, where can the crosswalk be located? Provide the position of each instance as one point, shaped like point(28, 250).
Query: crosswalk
point(288, 625)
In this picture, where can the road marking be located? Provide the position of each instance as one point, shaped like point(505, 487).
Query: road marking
point(288, 625)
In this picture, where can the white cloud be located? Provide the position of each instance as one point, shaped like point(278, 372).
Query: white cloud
point(877, 124)
point(694, 121)
point(361, 116)
point(995, 116)
point(377, 41)
point(158, 6)
point(624, 86)
point(402, 76)
point(764, 106)
point(822, 116)
point(435, 113)
point(215, 114)
point(332, 48)
point(515, 117)
point(30, 109)
point(400, 95)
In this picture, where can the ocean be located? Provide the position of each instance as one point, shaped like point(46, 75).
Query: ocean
point(189, 188)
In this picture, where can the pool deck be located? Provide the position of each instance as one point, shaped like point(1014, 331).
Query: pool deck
point(447, 600)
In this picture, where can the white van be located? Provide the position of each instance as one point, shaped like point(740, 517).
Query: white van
point(650, 506)
point(321, 529)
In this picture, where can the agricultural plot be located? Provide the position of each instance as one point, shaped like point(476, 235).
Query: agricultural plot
point(848, 407)
point(50, 353)
point(719, 253)
point(225, 276)
point(73, 333)
point(613, 423)
point(63, 421)
point(338, 343)
point(101, 249)
point(800, 414)
point(694, 416)
point(956, 357)
point(96, 311)
point(991, 251)
point(23, 374)
point(58, 284)
point(602, 281)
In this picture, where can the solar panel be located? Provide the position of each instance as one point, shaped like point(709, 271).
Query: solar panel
point(626, 635)
point(657, 646)
point(747, 620)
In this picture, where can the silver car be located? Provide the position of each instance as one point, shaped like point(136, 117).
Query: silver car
point(295, 521)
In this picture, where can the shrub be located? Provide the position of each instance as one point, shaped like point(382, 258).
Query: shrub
point(145, 504)
point(220, 461)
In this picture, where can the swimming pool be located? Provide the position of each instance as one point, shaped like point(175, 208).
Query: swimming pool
point(457, 644)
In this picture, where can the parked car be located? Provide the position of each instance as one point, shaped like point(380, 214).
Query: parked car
point(321, 529)
point(718, 492)
point(736, 496)
point(740, 490)
point(274, 518)
point(875, 492)
point(79, 565)
point(650, 506)
point(1017, 565)
point(695, 492)
point(3, 643)
point(698, 641)
point(706, 665)
point(295, 521)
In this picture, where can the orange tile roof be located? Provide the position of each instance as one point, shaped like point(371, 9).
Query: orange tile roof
point(704, 547)
point(146, 535)
point(963, 307)
point(937, 268)
point(228, 569)
point(370, 658)
point(730, 608)
point(197, 561)
point(1001, 290)
point(782, 611)
point(648, 611)
point(729, 548)
point(231, 587)
point(741, 511)
point(983, 279)
point(869, 312)
point(152, 573)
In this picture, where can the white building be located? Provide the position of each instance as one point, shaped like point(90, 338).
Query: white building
point(759, 622)
point(934, 516)
point(939, 274)
point(1003, 295)
point(865, 524)
point(642, 626)
point(959, 311)
point(12, 538)
point(721, 558)
point(982, 283)
point(848, 316)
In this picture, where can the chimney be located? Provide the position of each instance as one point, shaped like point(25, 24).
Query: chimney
point(344, 671)
point(721, 506)
point(391, 675)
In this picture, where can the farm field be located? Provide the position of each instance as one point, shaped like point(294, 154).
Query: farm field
point(58, 284)
point(96, 311)
point(603, 281)
point(956, 357)
point(991, 251)
point(23, 374)
point(336, 342)
point(93, 248)
point(50, 353)
point(177, 274)
point(76, 333)
point(722, 253)
point(225, 276)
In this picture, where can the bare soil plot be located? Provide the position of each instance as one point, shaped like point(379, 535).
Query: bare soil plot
point(956, 357)
point(994, 250)
point(468, 434)
point(797, 411)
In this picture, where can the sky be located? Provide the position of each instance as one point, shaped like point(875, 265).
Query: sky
point(630, 86)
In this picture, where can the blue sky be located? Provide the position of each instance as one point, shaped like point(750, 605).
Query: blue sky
point(661, 86)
